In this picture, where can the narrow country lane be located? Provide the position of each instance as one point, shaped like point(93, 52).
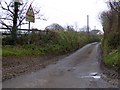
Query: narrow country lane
point(79, 70)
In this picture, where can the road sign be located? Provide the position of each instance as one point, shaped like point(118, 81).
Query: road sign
point(17, 0)
point(30, 15)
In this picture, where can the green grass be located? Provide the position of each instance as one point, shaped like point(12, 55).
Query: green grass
point(56, 42)
point(111, 56)
point(0, 51)
point(22, 51)
point(112, 59)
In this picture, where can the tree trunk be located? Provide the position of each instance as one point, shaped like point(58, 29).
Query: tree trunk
point(14, 29)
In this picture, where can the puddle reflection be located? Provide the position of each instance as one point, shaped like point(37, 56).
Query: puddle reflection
point(92, 75)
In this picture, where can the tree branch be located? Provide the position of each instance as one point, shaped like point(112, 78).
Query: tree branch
point(115, 4)
point(7, 26)
point(6, 9)
point(20, 21)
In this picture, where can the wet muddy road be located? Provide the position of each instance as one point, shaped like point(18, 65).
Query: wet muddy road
point(79, 70)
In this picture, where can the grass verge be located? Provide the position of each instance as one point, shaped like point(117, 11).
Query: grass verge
point(112, 59)
point(55, 42)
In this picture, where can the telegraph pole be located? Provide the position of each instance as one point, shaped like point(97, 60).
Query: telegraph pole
point(88, 24)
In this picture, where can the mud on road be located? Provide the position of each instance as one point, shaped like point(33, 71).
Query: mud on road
point(78, 70)
point(16, 66)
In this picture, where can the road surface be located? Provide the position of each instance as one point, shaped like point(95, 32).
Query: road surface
point(79, 70)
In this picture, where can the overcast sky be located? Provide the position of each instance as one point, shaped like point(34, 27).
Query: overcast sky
point(69, 12)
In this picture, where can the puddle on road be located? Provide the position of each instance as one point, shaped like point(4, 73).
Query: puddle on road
point(95, 77)
point(92, 75)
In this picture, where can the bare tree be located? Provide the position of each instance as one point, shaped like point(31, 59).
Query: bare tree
point(70, 28)
point(54, 26)
point(116, 7)
point(111, 23)
point(76, 26)
point(13, 16)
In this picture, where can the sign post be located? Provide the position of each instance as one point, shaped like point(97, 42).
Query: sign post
point(29, 32)
point(30, 17)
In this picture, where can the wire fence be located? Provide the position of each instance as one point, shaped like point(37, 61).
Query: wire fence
point(6, 31)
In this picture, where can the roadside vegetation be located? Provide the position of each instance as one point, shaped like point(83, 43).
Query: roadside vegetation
point(53, 42)
point(45, 47)
point(111, 41)
point(56, 41)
